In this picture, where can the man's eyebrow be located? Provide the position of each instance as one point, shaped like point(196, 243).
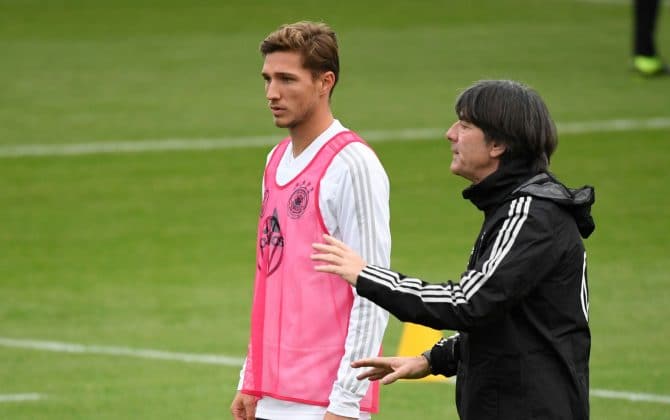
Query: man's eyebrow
point(287, 74)
point(279, 74)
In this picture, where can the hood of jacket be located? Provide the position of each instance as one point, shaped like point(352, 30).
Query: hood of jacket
point(577, 201)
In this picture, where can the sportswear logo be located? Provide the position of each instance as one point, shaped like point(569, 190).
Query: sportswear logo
point(266, 194)
point(297, 203)
point(584, 293)
point(271, 245)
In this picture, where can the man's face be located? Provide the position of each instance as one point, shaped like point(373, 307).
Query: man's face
point(292, 93)
point(472, 157)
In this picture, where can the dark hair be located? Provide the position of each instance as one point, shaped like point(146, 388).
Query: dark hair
point(513, 114)
point(316, 43)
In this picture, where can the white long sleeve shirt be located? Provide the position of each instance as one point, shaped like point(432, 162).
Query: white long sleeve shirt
point(354, 203)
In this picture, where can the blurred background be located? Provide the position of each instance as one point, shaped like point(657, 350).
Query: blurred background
point(133, 136)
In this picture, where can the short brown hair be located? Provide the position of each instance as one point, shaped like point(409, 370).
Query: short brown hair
point(316, 42)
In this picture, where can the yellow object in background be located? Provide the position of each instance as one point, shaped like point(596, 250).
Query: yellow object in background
point(416, 339)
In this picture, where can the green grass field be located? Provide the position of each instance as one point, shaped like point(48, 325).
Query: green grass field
point(154, 250)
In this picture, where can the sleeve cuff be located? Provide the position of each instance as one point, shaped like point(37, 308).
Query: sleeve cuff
point(345, 403)
point(345, 409)
point(444, 357)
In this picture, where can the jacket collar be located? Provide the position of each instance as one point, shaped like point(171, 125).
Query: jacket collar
point(493, 189)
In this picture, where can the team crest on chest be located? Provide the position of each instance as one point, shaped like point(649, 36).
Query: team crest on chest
point(297, 203)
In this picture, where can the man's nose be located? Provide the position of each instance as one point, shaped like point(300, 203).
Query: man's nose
point(271, 91)
point(452, 132)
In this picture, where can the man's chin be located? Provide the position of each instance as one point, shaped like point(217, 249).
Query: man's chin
point(284, 123)
point(281, 124)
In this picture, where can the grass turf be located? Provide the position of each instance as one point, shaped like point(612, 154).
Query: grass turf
point(155, 250)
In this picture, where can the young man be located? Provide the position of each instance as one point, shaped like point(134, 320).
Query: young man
point(307, 327)
point(521, 307)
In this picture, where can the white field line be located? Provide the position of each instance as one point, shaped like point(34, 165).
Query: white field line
point(5, 398)
point(120, 351)
point(232, 361)
point(409, 134)
point(630, 396)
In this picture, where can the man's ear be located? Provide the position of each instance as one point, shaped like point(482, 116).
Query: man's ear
point(497, 149)
point(327, 82)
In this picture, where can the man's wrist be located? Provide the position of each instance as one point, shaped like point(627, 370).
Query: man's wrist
point(426, 355)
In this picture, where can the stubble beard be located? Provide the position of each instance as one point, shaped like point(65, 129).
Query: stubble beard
point(294, 122)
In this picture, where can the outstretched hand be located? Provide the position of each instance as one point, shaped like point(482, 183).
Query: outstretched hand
point(389, 369)
point(339, 259)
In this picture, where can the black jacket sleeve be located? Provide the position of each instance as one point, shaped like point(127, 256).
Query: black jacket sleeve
point(444, 356)
point(520, 250)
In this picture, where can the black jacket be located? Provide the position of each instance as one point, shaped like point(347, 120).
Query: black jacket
point(521, 308)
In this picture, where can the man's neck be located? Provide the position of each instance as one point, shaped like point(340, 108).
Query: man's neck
point(303, 135)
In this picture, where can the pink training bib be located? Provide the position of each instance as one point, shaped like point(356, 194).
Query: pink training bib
point(299, 317)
